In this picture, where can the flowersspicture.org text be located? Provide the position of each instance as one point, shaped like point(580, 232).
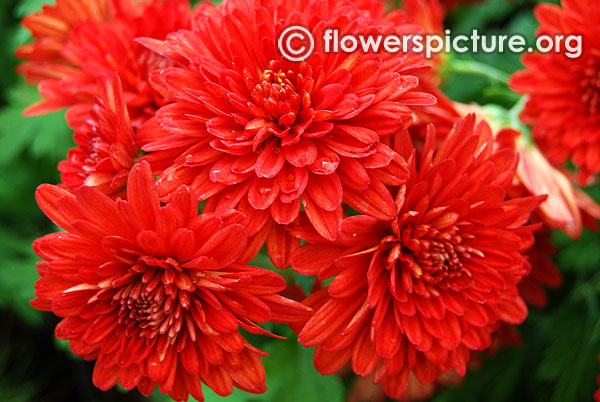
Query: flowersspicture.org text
point(297, 43)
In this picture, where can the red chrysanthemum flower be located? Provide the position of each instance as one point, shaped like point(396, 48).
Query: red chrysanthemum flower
point(418, 293)
point(564, 93)
point(156, 293)
point(265, 135)
point(106, 146)
point(78, 40)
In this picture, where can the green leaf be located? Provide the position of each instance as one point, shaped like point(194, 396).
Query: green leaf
point(292, 377)
point(44, 136)
point(482, 15)
point(25, 7)
point(18, 276)
point(581, 255)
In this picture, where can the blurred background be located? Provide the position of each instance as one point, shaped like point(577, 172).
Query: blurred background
point(555, 362)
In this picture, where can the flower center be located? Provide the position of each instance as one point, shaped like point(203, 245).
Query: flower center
point(155, 300)
point(276, 94)
point(428, 254)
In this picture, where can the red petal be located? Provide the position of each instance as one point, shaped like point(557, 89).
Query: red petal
point(374, 201)
point(227, 245)
point(328, 363)
point(270, 161)
point(325, 222)
point(280, 246)
point(364, 356)
point(301, 154)
point(262, 192)
point(285, 213)
point(325, 190)
point(143, 195)
point(311, 259)
point(105, 377)
point(50, 198)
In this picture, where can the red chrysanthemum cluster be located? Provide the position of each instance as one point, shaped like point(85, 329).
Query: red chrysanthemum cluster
point(423, 220)
point(418, 293)
point(564, 93)
point(156, 293)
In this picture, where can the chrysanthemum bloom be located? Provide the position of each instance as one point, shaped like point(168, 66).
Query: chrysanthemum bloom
point(564, 93)
point(417, 294)
point(156, 293)
point(106, 146)
point(78, 40)
point(266, 135)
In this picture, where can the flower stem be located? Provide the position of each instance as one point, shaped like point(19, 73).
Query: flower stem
point(473, 67)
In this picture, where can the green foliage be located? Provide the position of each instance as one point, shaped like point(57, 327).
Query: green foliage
point(494, 381)
point(25, 7)
point(18, 275)
point(292, 376)
point(580, 255)
point(483, 77)
point(41, 136)
point(569, 360)
point(484, 15)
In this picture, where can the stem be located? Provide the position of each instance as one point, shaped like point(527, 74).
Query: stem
point(515, 120)
point(476, 68)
